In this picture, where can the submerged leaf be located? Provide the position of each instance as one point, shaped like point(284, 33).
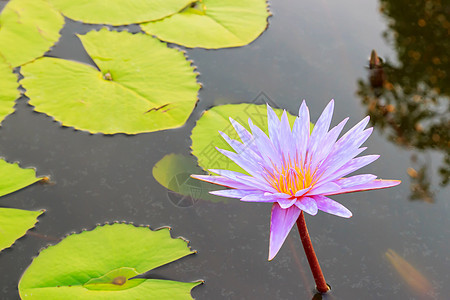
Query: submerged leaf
point(213, 24)
point(205, 135)
point(14, 223)
point(116, 12)
point(101, 264)
point(28, 29)
point(142, 85)
point(174, 171)
point(13, 177)
point(8, 90)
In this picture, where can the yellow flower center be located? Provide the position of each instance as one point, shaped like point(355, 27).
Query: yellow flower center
point(291, 178)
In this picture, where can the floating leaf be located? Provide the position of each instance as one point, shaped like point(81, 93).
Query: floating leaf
point(28, 29)
point(174, 172)
point(116, 12)
point(101, 264)
point(213, 24)
point(205, 135)
point(13, 177)
point(8, 90)
point(142, 85)
point(14, 223)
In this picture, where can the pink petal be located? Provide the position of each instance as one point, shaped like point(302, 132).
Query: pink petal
point(281, 223)
point(332, 207)
point(273, 123)
point(372, 185)
point(308, 205)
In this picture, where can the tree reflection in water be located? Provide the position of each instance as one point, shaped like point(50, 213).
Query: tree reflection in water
point(409, 101)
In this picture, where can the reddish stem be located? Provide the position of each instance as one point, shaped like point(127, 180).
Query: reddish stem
point(321, 284)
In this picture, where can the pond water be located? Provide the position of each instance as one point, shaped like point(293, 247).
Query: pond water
point(313, 50)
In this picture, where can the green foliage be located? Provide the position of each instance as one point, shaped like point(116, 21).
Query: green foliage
point(13, 178)
point(14, 223)
point(174, 172)
point(205, 135)
point(142, 85)
point(213, 24)
point(8, 90)
point(116, 12)
point(101, 264)
point(28, 29)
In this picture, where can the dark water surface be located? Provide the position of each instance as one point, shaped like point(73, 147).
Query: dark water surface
point(313, 50)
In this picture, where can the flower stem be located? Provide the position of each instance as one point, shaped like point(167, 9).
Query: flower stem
point(321, 284)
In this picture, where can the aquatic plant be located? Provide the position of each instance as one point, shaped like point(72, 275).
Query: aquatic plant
point(296, 170)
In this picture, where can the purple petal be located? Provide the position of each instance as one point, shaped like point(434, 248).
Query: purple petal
point(355, 180)
point(372, 185)
point(353, 165)
point(224, 181)
point(332, 207)
point(244, 135)
point(235, 193)
point(326, 144)
point(288, 146)
point(274, 126)
point(301, 131)
point(265, 146)
point(250, 166)
point(286, 203)
point(281, 223)
point(324, 189)
point(242, 149)
point(308, 205)
point(264, 197)
point(321, 127)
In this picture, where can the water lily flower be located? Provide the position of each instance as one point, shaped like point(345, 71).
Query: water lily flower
point(296, 169)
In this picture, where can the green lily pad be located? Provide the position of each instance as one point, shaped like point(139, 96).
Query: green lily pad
point(205, 135)
point(28, 29)
point(102, 264)
point(174, 172)
point(14, 223)
point(142, 85)
point(213, 24)
point(116, 12)
point(8, 90)
point(13, 177)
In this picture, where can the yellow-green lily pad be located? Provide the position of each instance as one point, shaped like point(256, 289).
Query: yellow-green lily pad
point(28, 28)
point(118, 12)
point(8, 90)
point(14, 223)
point(141, 85)
point(102, 263)
point(213, 24)
point(13, 177)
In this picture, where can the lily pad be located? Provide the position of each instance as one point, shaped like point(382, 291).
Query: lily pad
point(28, 29)
point(174, 171)
point(102, 264)
point(205, 135)
point(14, 223)
point(116, 12)
point(141, 85)
point(13, 177)
point(8, 90)
point(213, 24)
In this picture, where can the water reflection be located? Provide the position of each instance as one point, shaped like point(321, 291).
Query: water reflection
point(409, 100)
point(416, 281)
